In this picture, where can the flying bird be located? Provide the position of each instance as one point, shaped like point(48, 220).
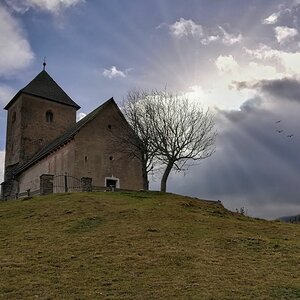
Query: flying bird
point(278, 121)
point(279, 131)
point(290, 135)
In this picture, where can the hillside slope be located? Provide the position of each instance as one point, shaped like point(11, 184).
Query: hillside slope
point(142, 246)
point(290, 219)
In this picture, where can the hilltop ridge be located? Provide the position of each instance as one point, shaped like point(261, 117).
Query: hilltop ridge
point(142, 245)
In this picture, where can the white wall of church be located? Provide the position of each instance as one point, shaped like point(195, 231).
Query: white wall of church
point(59, 162)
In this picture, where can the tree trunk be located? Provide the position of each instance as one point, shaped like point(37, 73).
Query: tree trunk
point(145, 182)
point(163, 183)
point(145, 177)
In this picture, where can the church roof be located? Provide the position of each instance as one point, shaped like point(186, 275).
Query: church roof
point(44, 86)
point(65, 137)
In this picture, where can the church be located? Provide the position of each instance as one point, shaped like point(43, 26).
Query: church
point(44, 139)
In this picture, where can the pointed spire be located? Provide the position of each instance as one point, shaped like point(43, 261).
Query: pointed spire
point(45, 87)
point(44, 63)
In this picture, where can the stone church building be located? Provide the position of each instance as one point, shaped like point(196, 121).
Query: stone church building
point(43, 138)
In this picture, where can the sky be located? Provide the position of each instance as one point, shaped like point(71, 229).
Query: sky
point(239, 58)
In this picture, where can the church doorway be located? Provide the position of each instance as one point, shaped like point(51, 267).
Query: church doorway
point(112, 182)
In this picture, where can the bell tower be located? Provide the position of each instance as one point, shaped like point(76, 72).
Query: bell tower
point(39, 113)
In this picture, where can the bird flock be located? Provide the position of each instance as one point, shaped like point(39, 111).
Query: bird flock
point(281, 130)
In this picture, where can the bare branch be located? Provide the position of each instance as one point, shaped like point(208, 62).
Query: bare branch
point(167, 130)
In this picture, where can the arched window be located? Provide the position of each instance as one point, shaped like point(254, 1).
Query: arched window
point(49, 116)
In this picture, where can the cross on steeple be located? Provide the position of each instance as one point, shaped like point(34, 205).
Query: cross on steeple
point(44, 63)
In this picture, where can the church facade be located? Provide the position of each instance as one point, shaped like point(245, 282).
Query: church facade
point(43, 137)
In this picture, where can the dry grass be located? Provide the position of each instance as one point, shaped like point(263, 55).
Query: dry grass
point(142, 246)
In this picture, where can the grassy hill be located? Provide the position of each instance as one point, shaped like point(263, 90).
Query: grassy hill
point(142, 246)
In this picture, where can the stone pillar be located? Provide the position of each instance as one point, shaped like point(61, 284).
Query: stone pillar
point(9, 189)
point(86, 184)
point(46, 184)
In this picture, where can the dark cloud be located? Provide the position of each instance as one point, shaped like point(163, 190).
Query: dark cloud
point(249, 107)
point(280, 89)
point(254, 166)
point(285, 88)
point(240, 85)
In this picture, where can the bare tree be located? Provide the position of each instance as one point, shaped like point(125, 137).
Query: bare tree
point(167, 130)
point(182, 132)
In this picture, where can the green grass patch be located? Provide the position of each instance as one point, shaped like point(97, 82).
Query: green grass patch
point(85, 225)
point(288, 293)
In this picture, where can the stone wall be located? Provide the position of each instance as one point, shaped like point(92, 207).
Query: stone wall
point(36, 132)
point(97, 156)
point(13, 133)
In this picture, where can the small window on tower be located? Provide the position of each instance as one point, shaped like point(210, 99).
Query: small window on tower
point(49, 116)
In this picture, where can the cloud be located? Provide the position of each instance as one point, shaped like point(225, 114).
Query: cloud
point(6, 93)
point(15, 50)
point(52, 6)
point(285, 34)
point(281, 89)
point(113, 72)
point(289, 9)
point(188, 28)
point(185, 28)
point(272, 19)
point(230, 39)
point(209, 39)
point(261, 71)
point(226, 64)
point(290, 61)
point(80, 116)
point(263, 52)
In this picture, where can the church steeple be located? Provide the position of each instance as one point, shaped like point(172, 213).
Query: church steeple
point(45, 87)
